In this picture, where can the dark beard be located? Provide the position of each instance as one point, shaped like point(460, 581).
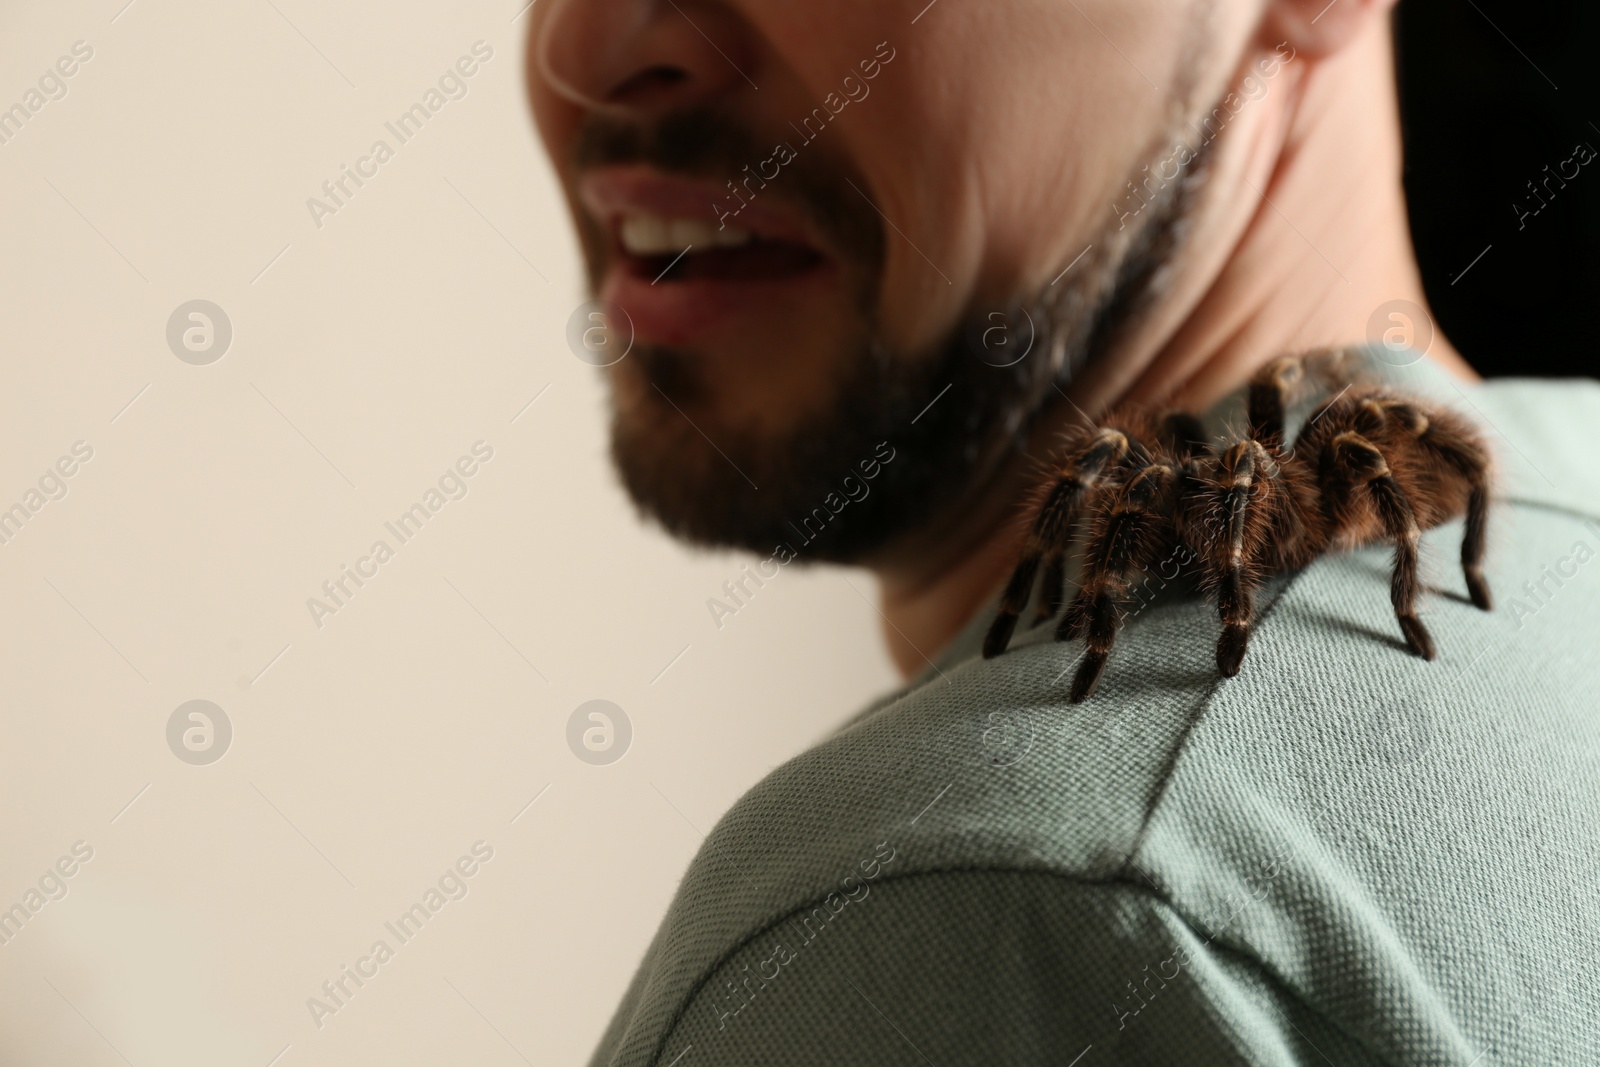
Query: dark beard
point(949, 419)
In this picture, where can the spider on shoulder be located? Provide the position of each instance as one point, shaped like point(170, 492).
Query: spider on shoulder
point(1370, 465)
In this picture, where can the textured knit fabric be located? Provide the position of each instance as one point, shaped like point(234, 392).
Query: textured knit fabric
point(1344, 855)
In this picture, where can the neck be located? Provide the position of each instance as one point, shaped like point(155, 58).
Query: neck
point(1301, 236)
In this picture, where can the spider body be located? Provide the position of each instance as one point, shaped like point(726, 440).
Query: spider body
point(1371, 465)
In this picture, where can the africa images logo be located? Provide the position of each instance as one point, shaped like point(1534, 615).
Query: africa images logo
point(810, 528)
point(855, 90)
point(452, 85)
point(452, 885)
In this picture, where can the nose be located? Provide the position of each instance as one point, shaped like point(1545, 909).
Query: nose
point(642, 55)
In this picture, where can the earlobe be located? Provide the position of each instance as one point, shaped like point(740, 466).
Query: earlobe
point(1315, 28)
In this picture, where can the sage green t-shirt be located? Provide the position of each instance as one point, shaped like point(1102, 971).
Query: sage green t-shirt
point(1344, 855)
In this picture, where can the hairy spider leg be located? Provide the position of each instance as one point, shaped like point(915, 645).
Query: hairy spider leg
point(1052, 529)
point(1141, 511)
point(1453, 443)
point(1365, 463)
point(1269, 392)
point(1245, 487)
point(1180, 435)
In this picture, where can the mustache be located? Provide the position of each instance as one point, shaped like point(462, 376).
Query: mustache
point(703, 143)
point(695, 141)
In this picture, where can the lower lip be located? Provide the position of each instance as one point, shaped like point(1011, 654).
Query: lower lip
point(683, 312)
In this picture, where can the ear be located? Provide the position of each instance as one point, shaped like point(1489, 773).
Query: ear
point(1316, 28)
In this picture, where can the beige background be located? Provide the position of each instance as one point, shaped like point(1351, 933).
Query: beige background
point(369, 754)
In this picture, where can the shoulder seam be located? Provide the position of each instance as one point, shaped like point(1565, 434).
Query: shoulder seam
point(728, 953)
point(1182, 747)
point(1152, 893)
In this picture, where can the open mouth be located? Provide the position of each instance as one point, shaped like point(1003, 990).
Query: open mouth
point(663, 251)
point(691, 264)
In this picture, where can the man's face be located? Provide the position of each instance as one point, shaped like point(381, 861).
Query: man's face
point(812, 213)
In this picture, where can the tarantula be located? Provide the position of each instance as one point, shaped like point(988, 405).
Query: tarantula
point(1369, 465)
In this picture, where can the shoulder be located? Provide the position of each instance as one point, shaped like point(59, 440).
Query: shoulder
point(1164, 805)
point(981, 771)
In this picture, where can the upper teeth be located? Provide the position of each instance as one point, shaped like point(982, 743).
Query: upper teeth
point(652, 235)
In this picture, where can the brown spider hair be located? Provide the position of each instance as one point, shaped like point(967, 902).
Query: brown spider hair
point(1370, 465)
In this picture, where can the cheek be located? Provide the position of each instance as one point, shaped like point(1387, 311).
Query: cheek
point(997, 149)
